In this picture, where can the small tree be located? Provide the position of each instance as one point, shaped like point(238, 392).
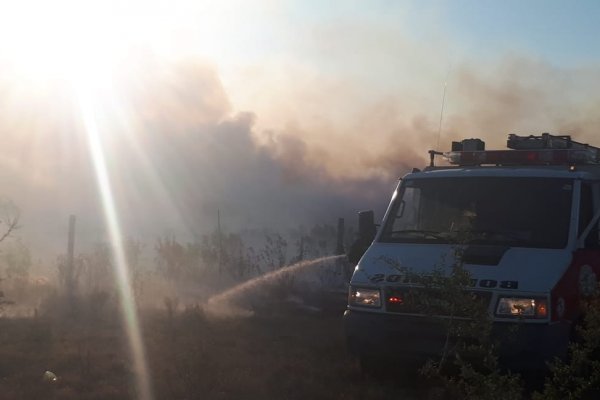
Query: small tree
point(579, 376)
point(170, 258)
point(274, 253)
point(9, 222)
point(468, 363)
point(16, 258)
point(9, 218)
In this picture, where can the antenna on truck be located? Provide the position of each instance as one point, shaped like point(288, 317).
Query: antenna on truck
point(442, 107)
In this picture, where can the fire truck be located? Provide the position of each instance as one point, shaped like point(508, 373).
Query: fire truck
point(526, 220)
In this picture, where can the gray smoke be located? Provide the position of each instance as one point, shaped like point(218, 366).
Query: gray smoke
point(177, 151)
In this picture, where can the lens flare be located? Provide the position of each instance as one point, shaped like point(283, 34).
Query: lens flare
point(128, 308)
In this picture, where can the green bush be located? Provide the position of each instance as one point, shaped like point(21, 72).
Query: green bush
point(468, 365)
point(579, 376)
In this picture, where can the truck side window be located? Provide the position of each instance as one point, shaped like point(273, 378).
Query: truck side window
point(408, 209)
point(586, 212)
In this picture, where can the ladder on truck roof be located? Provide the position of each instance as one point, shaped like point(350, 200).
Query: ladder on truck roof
point(581, 153)
point(545, 149)
point(546, 141)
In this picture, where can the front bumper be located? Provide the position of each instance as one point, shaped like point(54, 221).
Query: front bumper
point(521, 345)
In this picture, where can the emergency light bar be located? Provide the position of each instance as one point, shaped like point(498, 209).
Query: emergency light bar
point(521, 157)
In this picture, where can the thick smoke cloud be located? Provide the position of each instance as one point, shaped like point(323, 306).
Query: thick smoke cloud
point(525, 96)
point(204, 158)
point(178, 150)
point(176, 154)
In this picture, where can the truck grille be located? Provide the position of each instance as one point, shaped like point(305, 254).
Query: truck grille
point(419, 300)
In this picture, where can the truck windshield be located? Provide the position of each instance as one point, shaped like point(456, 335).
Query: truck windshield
point(522, 212)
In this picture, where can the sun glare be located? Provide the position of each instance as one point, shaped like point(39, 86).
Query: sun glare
point(58, 39)
point(42, 40)
point(79, 44)
point(79, 39)
point(84, 48)
point(89, 113)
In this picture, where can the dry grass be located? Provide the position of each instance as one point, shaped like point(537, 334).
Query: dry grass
point(278, 353)
point(87, 359)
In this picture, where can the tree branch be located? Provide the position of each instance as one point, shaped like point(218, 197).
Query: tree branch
point(12, 225)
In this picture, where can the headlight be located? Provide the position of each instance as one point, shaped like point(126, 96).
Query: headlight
point(534, 307)
point(364, 297)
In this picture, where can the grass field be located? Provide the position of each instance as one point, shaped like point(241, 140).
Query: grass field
point(280, 352)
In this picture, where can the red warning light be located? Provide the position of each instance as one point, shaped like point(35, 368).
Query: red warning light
point(395, 300)
point(541, 309)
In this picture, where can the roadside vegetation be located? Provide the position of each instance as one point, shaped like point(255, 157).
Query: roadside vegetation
point(579, 376)
point(61, 335)
point(468, 365)
point(282, 352)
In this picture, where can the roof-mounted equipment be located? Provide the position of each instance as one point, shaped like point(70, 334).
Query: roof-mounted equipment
point(545, 149)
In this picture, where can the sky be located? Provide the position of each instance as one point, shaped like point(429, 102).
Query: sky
point(274, 113)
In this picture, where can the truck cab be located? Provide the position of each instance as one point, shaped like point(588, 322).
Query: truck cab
point(526, 223)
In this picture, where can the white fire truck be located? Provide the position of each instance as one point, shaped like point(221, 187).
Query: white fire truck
point(531, 216)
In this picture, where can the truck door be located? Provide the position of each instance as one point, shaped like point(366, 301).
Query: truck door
point(581, 279)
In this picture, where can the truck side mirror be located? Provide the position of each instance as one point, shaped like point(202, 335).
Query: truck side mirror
point(366, 225)
point(366, 233)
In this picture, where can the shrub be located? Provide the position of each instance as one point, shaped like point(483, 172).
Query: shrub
point(579, 376)
point(468, 365)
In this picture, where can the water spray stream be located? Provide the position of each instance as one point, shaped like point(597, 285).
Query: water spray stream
point(129, 312)
point(220, 300)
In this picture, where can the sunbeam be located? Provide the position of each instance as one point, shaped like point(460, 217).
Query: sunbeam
point(128, 307)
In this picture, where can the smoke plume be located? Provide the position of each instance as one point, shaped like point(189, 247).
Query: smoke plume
point(181, 148)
